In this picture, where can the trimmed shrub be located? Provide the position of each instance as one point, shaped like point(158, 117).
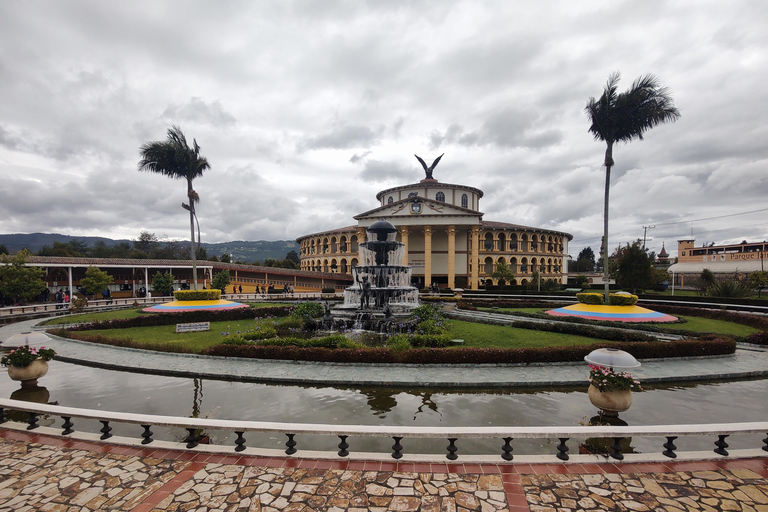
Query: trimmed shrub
point(308, 310)
point(615, 299)
point(438, 298)
point(260, 333)
point(197, 295)
point(758, 338)
point(642, 350)
point(328, 289)
point(595, 299)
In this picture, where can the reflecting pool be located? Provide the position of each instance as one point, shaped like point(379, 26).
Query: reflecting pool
point(91, 388)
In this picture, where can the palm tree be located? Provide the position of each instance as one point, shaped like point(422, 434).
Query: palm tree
point(623, 117)
point(174, 158)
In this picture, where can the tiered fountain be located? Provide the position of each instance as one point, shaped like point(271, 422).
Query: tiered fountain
point(382, 291)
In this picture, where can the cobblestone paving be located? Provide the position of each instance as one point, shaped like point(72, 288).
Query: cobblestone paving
point(44, 473)
point(231, 488)
point(681, 491)
point(40, 477)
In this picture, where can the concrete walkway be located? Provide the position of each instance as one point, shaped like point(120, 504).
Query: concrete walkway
point(748, 361)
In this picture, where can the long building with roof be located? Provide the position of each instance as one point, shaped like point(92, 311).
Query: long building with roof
point(446, 239)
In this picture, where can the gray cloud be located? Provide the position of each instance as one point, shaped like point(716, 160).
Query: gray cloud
point(198, 111)
point(306, 111)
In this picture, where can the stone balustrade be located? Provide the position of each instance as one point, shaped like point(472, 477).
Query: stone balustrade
point(404, 437)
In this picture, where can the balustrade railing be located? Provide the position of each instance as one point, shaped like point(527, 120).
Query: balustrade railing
point(404, 437)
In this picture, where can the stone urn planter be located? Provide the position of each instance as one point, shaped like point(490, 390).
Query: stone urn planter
point(611, 403)
point(29, 374)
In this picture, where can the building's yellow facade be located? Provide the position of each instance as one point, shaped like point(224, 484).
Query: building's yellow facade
point(447, 242)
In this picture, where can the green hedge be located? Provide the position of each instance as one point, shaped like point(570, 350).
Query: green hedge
point(759, 338)
point(641, 350)
point(595, 299)
point(439, 298)
point(197, 295)
point(614, 299)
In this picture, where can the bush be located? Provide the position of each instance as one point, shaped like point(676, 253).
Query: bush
point(595, 299)
point(616, 299)
point(728, 289)
point(260, 333)
point(328, 289)
point(77, 304)
point(399, 343)
point(308, 310)
point(758, 338)
point(197, 295)
point(705, 346)
point(438, 298)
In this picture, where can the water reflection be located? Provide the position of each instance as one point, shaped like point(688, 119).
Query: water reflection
point(92, 388)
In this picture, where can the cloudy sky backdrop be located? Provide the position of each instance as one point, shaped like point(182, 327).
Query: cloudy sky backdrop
point(306, 109)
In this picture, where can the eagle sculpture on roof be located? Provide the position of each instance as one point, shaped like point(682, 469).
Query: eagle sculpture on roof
point(431, 168)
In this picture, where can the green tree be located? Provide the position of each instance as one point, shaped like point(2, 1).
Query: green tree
point(19, 281)
point(758, 280)
point(585, 262)
point(95, 281)
point(634, 268)
point(174, 158)
point(3, 249)
point(622, 117)
point(292, 256)
point(220, 280)
point(146, 243)
point(503, 273)
point(163, 283)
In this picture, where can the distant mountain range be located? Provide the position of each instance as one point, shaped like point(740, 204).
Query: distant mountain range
point(239, 249)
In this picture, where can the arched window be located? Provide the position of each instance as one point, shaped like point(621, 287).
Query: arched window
point(390, 200)
point(464, 201)
point(440, 196)
point(488, 244)
point(488, 267)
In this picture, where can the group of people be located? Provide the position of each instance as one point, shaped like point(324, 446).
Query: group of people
point(263, 290)
point(61, 297)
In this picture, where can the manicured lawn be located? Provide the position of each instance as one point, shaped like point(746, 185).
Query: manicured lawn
point(513, 310)
point(693, 323)
point(120, 314)
point(165, 335)
point(499, 336)
point(708, 325)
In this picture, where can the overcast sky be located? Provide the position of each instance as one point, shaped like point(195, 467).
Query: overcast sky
point(305, 110)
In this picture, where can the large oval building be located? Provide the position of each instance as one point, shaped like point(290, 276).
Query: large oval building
point(446, 239)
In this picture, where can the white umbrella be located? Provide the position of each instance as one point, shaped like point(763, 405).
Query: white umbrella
point(27, 337)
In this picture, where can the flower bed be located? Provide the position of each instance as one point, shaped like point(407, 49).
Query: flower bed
point(641, 350)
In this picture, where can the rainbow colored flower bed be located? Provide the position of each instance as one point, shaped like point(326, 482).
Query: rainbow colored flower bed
point(176, 306)
point(612, 313)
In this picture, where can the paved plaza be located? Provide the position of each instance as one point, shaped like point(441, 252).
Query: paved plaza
point(52, 473)
point(55, 474)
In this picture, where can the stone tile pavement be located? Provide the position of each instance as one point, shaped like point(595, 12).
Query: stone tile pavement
point(48, 473)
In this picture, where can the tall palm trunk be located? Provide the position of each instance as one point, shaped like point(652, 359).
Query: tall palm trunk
point(608, 165)
point(192, 247)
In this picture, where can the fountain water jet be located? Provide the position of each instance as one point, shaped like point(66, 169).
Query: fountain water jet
point(382, 292)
